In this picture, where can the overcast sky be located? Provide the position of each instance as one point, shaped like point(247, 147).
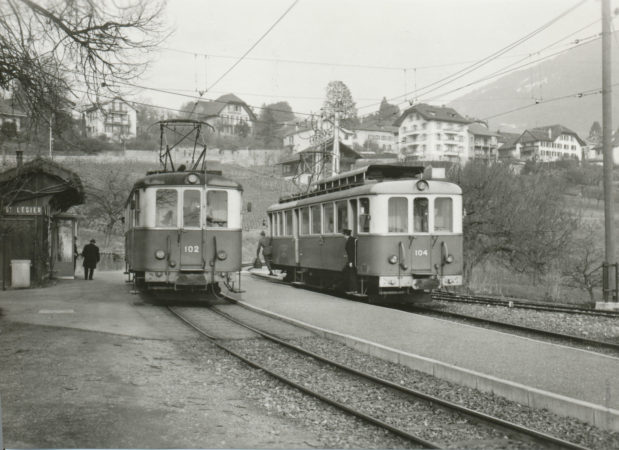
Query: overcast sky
point(367, 44)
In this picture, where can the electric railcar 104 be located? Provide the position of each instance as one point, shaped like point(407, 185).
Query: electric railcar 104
point(408, 233)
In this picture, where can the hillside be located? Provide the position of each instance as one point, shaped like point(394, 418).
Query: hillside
point(574, 71)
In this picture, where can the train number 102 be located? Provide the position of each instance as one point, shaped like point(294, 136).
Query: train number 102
point(192, 249)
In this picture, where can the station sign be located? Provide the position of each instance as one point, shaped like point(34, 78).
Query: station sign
point(23, 210)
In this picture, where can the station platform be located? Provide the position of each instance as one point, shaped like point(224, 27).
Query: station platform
point(567, 381)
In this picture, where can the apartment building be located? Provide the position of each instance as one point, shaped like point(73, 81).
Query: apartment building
point(115, 119)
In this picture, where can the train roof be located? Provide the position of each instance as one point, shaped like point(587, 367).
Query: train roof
point(211, 178)
point(401, 187)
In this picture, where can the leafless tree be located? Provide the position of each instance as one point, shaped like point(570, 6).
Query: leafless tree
point(582, 267)
point(55, 47)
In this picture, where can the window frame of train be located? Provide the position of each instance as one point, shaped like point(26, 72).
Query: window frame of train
point(449, 214)
point(171, 222)
point(304, 227)
point(315, 219)
point(225, 223)
point(338, 223)
point(328, 227)
point(288, 223)
point(188, 205)
point(393, 228)
point(363, 227)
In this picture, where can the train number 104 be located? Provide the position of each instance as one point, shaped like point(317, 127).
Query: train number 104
point(192, 249)
point(421, 252)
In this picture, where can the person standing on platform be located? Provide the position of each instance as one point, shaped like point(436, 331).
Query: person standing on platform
point(350, 271)
point(266, 245)
point(91, 258)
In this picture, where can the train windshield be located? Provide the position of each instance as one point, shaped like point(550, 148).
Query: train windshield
point(191, 208)
point(398, 215)
point(342, 216)
point(420, 213)
point(166, 204)
point(443, 214)
point(217, 209)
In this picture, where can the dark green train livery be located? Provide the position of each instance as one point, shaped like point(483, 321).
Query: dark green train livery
point(183, 231)
point(408, 230)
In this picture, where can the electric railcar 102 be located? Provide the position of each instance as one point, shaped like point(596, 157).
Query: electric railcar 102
point(407, 230)
point(183, 229)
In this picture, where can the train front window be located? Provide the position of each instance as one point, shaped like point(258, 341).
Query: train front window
point(191, 208)
point(398, 215)
point(316, 219)
point(420, 213)
point(342, 216)
point(364, 215)
point(327, 217)
point(216, 209)
point(443, 214)
point(166, 204)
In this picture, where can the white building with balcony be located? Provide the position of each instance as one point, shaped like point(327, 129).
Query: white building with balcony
point(433, 133)
point(115, 119)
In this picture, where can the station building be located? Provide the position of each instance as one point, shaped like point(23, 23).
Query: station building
point(35, 229)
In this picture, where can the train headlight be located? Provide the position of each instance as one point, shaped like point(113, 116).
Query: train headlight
point(449, 259)
point(222, 255)
point(192, 178)
point(422, 185)
point(159, 254)
point(393, 259)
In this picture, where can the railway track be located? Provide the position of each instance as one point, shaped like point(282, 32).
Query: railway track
point(489, 424)
point(568, 338)
point(519, 303)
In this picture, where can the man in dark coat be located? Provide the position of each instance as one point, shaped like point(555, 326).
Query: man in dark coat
point(266, 245)
point(91, 258)
point(351, 264)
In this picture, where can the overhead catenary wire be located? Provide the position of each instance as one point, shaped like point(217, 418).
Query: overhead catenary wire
point(461, 73)
point(254, 44)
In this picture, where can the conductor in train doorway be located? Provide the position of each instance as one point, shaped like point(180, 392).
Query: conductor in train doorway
point(350, 270)
point(267, 250)
point(91, 258)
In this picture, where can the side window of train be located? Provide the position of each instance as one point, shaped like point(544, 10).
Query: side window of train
point(216, 209)
point(136, 208)
point(328, 225)
point(364, 215)
point(420, 215)
point(166, 203)
point(305, 221)
point(342, 216)
point(443, 214)
point(280, 224)
point(316, 219)
point(398, 215)
point(288, 216)
point(191, 208)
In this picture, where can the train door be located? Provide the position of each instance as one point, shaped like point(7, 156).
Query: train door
point(421, 245)
point(190, 239)
point(296, 235)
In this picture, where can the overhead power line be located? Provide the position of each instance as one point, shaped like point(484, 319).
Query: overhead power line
point(254, 45)
point(482, 62)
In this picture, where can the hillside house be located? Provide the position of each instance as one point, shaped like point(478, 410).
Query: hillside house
point(315, 162)
point(509, 147)
point(483, 143)
point(373, 137)
point(433, 133)
point(230, 115)
point(550, 143)
point(302, 136)
point(115, 119)
point(10, 112)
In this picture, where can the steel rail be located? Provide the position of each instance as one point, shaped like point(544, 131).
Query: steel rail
point(520, 303)
point(374, 421)
point(512, 326)
point(510, 428)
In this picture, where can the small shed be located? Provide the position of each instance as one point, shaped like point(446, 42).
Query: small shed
point(34, 226)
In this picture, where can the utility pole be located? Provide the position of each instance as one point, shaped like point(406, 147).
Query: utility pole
point(51, 137)
point(610, 259)
point(336, 143)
